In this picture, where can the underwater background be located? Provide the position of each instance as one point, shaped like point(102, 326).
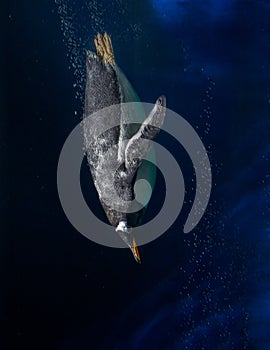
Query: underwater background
point(204, 290)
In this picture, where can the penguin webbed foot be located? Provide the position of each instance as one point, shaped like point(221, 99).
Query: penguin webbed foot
point(104, 47)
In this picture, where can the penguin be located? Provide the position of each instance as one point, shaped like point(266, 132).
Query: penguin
point(125, 145)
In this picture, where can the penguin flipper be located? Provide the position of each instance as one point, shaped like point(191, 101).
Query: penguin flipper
point(140, 143)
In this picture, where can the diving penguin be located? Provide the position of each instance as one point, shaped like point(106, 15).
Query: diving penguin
point(106, 86)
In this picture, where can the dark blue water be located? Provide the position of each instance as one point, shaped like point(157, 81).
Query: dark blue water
point(209, 289)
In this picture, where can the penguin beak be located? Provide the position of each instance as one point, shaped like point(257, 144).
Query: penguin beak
point(126, 235)
point(135, 252)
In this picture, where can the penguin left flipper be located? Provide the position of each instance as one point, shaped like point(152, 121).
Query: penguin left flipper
point(140, 143)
